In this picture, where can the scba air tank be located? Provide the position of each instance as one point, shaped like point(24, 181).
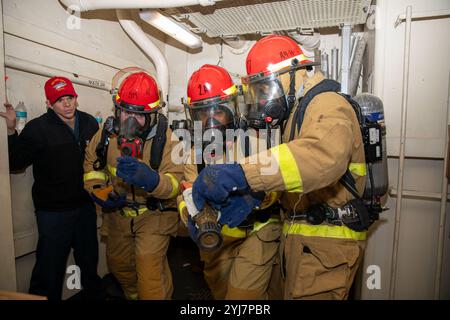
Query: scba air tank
point(373, 111)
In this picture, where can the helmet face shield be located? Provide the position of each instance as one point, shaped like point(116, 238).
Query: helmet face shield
point(214, 113)
point(265, 100)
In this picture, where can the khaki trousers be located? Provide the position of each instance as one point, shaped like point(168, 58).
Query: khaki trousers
point(319, 268)
point(241, 268)
point(136, 253)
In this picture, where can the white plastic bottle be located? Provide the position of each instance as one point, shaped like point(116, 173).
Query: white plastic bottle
point(98, 117)
point(21, 116)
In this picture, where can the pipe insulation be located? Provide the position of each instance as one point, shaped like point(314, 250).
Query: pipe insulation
point(356, 66)
point(87, 5)
point(143, 41)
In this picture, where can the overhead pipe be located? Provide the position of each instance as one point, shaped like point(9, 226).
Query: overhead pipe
point(135, 32)
point(143, 41)
point(345, 58)
point(356, 65)
point(31, 67)
point(334, 63)
point(87, 5)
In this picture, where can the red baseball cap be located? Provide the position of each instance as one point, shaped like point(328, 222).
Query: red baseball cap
point(58, 87)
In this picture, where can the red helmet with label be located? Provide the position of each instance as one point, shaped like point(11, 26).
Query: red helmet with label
point(138, 93)
point(210, 82)
point(268, 63)
point(211, 98)
point(273, 53)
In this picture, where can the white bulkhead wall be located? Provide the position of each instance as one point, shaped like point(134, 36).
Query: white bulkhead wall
point(426, 129)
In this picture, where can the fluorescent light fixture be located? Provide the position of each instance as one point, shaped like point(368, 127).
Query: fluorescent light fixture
point(170, 27)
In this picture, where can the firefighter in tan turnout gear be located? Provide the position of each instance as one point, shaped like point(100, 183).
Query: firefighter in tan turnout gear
point(241, 266)
point(322, 151)
point(130, 174)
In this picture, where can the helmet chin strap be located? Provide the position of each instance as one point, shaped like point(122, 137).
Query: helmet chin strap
point(294, 94)
point(291, 93)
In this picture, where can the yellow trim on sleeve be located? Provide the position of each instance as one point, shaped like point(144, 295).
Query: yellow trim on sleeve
point(234, 232)
point(112, 170)
point(175, 185)
point(357, 168)
point(181, 206)
point(95, 175)
point(288, 168)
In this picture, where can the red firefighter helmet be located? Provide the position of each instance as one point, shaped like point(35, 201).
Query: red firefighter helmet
point(211, 98)
point(210, 82)
point(138, 93)
point(273, 53)
point(267, 63)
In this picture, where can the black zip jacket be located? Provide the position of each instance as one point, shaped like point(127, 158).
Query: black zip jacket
point(57, 154)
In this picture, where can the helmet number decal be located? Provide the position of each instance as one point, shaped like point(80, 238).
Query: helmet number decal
point(202, 89)
point(286, 54)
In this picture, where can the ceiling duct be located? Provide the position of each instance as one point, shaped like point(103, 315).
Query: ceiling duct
point(240, 17)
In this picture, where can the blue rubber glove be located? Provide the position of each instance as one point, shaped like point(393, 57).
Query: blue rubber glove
point(137, 173)
point(238, 207)
point(114, 201)
point(215, 183)
point(192, 228)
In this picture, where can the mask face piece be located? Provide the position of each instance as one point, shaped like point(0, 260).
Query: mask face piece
point(130, 128)
point(265, 102)
point(129, 141)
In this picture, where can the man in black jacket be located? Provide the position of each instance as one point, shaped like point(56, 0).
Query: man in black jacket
point(54, 144)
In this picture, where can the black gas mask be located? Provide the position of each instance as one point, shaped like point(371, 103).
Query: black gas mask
point(215, 119)
point(265, 100)
point(268, 113)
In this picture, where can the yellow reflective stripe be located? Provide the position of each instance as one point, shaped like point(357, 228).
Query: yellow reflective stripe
point(324, 231)
point(231, 90)
point(175, 185)
point(181, 206)
point(242, 232)
point(154, 104)
point(357, 168)
point(128, 212)
point(286, 63)
point(288, 168)
point(112, 170)
point(234, 232)
point(95, 175)
point(259, 225)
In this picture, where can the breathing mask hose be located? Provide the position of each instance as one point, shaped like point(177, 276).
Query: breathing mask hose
point(268, 136)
